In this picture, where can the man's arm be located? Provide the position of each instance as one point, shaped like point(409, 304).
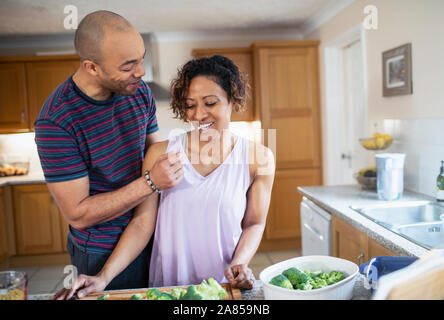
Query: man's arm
point(151, 139)
point(133, 240)
point(82, 210)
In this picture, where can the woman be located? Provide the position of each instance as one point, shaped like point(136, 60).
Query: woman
point(211, 223)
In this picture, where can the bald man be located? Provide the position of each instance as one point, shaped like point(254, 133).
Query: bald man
point(92, 133)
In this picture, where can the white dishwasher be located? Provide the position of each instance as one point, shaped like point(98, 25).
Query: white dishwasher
point(315, 228)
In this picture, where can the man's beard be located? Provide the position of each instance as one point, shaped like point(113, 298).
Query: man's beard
point(120, 87)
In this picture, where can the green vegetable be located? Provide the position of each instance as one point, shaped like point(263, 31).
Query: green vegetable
point(153, 294)
point(166, 296)
point(192, 294)
point(306, 280)
point(295, 276)
point(104, 297)
point(281, 281)
point(137, 296)
point(335, 276)
point(207, 290)
point(213, 289)
point(178, 292)
point(304, 286)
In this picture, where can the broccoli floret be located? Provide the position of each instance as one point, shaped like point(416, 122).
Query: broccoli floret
point(178, 292)
point(153, 294)
point(192, 294)
point(335, 276)
point(304, 286)
point(211, 290)
point(281, 281)
point(166, 296)
point(323, 275)
point(320, 283)
point(295, 276)
point(137, 296)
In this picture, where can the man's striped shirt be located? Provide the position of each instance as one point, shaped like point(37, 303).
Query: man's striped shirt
point(77, 136)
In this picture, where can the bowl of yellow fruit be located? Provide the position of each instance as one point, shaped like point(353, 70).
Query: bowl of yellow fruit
point(378, 141)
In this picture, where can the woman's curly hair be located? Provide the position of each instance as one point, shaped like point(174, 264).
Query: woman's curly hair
point(220, 69)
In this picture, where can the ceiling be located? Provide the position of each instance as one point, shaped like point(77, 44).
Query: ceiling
point(32, 17)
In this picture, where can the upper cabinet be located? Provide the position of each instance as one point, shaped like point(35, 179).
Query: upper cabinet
point(25, 84)
point(242, 57)
point(13, 102)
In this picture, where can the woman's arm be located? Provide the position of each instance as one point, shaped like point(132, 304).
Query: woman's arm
point(253, 224)
point(133, 240)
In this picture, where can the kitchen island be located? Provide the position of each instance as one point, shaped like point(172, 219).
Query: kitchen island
point(360, 292)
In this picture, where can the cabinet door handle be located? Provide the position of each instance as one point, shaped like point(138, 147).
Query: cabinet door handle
point(359, 258)
point(23, 115)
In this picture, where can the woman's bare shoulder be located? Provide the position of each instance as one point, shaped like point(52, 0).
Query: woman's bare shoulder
point(261, 159)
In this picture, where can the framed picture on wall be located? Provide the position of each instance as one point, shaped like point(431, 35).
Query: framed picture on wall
point(397, 71)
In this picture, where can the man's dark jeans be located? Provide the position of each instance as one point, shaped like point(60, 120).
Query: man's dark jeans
point(90, 263)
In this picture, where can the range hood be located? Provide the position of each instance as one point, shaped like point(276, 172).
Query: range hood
point(151, 64)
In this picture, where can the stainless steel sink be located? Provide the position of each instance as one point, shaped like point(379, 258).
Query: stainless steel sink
point(395, 214)
point(428, 234)
point(417, 221)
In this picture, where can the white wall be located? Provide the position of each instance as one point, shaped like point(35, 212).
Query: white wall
point(399, 21)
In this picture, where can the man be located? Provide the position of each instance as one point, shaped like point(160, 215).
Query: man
point(92, 133)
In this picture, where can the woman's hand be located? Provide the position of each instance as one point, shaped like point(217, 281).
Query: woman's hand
point(86, 284)
point(240, 276)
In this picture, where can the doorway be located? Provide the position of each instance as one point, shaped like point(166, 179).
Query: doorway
point(346, 118)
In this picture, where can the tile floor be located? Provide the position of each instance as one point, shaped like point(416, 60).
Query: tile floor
point(50, 279)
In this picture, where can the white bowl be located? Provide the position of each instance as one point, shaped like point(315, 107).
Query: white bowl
point(342, 290)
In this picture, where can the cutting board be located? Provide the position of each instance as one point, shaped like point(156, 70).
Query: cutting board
point(233, 293)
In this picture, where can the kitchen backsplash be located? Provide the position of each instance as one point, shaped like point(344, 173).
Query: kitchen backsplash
point(422, 142)
point(20, 147)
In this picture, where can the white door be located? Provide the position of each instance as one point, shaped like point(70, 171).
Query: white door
point(345, 108)
point(354, 156)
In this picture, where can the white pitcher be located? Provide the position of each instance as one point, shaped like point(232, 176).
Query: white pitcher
point(390, 175)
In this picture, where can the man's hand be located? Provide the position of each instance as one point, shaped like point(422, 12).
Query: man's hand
point(240, 276)
point(83, 285)
point(167, 171)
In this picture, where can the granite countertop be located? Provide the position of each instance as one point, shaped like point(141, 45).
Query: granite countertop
point(338, 199)
point(360, 292)
point(30, 178)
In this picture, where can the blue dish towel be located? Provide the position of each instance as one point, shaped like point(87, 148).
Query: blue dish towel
point(382, 265)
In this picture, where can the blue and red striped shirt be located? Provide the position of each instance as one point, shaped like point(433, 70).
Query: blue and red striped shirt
point(77, 136)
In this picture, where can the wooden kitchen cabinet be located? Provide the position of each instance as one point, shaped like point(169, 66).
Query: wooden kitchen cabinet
point(4, 252)
point(353, 245)
point(25, 84)
point(13, 102)
point(283, 219)
point(348, 242)
point(39, 227)
point(242, 57)
point(287, 98)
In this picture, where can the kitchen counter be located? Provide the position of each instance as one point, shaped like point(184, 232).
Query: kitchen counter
point(338, 199)
point(257, 293)
point(30, 178)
